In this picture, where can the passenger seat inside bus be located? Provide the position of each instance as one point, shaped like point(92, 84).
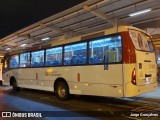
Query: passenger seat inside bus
point(48, 63)
point(74, 60)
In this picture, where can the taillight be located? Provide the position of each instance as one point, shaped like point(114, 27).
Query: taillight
point(133, 80)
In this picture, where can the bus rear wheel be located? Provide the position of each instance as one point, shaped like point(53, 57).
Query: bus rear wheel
point(62, 91)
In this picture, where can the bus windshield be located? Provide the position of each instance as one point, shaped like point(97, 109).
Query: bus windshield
point(141, 41)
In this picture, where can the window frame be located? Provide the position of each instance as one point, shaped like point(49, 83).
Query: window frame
point(10, 60)
point(63, 45)
point(72, 56)
point(46, 55)
point(29, 60)
point(103, 37)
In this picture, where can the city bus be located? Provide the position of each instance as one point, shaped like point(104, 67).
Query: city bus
point(117, 62)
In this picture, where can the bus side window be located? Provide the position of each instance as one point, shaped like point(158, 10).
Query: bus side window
point(105, 50)
point(14, 61)
point(54, 56)
point(97, 50)
point(24, 60)
point(75, 54)
point(37, 58)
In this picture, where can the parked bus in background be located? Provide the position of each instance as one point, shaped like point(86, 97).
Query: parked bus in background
point(115, 62)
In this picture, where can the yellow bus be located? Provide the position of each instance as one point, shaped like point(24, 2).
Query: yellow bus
point(117, 62)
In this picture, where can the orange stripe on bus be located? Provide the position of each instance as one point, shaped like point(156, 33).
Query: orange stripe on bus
point(36, 76)
point(78, 77)
point(128, 49)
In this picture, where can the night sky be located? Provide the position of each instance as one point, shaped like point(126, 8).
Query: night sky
point(17, 14)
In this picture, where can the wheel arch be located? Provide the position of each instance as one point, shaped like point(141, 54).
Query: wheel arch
point(60, 79)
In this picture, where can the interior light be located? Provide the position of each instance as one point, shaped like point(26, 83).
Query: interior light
point(44, 39)
point(8, 48)
point(23, 45)
point(139, 12)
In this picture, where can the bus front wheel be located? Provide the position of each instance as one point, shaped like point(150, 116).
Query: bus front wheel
point(62, 91)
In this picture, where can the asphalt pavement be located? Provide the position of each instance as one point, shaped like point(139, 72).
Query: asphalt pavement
point(16, 108)
point(25, 107)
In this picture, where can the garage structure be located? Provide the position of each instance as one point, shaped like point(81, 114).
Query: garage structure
point(87, 17)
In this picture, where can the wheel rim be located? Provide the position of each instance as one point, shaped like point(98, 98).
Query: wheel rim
point(61, 92)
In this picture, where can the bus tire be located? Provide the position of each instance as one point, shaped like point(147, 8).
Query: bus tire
point(14, 86)
point(62, 91)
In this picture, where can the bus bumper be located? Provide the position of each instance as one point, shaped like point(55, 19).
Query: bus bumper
point(134, 90)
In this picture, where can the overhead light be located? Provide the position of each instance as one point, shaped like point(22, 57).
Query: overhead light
point(139, 12)
point(8, 48)
point(23, 45)
point(44, 39)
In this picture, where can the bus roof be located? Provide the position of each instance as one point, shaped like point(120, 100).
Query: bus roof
point(62, 41)
point(109, 31)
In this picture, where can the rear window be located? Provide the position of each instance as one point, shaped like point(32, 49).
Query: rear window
point(141, 41)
